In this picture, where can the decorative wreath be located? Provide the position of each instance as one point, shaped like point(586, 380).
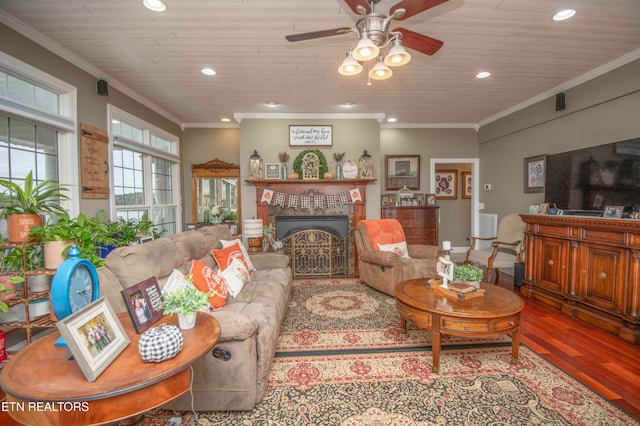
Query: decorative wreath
point(323, 162)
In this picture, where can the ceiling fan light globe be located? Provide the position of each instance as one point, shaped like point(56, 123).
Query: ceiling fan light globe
point(380, 71)
point(397, 56)
point(350, 66)
point(365, 50)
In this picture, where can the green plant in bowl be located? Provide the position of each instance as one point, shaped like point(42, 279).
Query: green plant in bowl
point(467, 273)
point(184, 301)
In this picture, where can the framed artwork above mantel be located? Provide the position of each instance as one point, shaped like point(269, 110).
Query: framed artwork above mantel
point(315, 136)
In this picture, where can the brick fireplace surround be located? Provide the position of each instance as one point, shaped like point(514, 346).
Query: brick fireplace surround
point(355, 211)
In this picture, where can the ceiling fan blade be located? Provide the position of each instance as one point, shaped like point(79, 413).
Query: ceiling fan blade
point(317, 34)
point(419, 42)
point(413, 7)
point(353, 5)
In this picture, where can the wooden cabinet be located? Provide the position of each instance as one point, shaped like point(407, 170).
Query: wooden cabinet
point(420, 224)
point(589, 268)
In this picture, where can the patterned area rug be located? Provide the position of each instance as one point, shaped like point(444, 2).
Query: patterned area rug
point(354, 383)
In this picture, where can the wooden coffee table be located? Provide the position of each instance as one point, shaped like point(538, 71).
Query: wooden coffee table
point(44, 388)
point(496, 313)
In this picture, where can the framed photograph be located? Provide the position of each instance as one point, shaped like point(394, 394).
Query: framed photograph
point(543, 208)
point(388, 200)
point(233, 228)
point(430, 199)
point(613, 212)
point(446, 184)
point(95, 337)
point(272, 171)
point(401, 171)
point(534, 170)
point(466, 185)
point(145, 239)
point(311, 136)
point(143, 303)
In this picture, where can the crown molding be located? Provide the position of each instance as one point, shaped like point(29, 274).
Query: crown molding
point(473, 126)
point(210, 125)
point(590, 75)
point(301, 116)
point(39, 38)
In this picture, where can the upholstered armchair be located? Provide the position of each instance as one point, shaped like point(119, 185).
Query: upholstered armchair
point(505, 247)
point(385, 258)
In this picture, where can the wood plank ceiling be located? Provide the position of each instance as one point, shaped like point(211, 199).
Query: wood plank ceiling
point(159, 55)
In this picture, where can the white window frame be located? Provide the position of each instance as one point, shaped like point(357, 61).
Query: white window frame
point(65, 123)
point(146, 148)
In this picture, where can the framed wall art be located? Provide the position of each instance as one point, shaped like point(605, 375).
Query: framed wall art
point(534, 170)
point(466, 185)
point(95, 337)
point(143, 303)
point(388, 200)
point(318, 136)
point(272, 171)
point(613, 212)
point(446, 184)
point(401, 171)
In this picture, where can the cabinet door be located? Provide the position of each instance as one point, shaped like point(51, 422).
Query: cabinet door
point(551, 268)
point(601, 279)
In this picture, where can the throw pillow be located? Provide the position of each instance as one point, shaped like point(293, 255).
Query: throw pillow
point(175, 281)
point(208, 281)
point(398, 248)
point(244, 251)
point(225, 256)
point(236, 276)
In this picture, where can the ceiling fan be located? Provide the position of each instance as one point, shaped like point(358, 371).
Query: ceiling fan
point(374, 34)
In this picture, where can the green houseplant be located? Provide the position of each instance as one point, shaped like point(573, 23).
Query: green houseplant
point(24, 205)
point(185, 302)
point(467, 273)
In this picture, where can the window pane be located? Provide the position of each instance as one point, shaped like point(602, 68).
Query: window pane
point(46, 100)
point(47, 140)
point(3, 84)
point(20, 90)
point(22, 162)
point(4, 130)
point(23, 134)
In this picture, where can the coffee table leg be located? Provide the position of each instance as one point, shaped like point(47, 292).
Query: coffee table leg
point(435, 347)
point(403, 324)
point(515, 345)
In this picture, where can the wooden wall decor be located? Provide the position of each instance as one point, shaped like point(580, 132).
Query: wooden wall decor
point(94, 160)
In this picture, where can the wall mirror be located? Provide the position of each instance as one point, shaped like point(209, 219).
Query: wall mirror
point(215, 189)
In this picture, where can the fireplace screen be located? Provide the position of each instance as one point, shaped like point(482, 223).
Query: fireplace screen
point(316, 252)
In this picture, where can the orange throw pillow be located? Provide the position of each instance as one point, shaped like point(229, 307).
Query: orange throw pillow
point(207, 280)
point(225, 256)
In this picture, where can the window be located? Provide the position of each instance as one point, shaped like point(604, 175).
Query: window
point(38, 127)
point(145, 172)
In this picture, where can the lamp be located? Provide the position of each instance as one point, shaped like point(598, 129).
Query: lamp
point(398, 55)
point(252, 229)
point(350, 66)
point(380, 71)
point(365, 49)
point(255, 166)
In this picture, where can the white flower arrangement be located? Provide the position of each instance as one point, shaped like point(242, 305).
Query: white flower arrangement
point(217, 210)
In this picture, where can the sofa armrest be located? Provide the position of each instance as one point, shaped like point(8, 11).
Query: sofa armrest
point(111, 288)
point(269, 260)
point(382, 258)
point(234, 325)
point(420, 251)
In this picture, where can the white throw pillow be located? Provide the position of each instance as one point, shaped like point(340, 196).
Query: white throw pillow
point(398, 248)
point(175, 281)
point(245, 254)
point(236, 276)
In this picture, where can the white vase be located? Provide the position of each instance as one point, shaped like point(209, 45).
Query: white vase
point(187, 321)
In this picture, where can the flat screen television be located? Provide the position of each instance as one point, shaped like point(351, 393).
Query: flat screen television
point(587, 180)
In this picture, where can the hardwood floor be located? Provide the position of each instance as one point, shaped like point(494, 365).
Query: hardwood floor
point(600, 360)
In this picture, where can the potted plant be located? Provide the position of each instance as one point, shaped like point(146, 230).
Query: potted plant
point(56, 236)
point(24, 205)
point(467, 274)
point(185, 302)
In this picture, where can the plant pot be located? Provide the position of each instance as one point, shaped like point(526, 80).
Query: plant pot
point(292, 176)
point(53, 256)
point(187, 321)
point(19, 225)
point(8, 286)
point(329, 175)
point(39, 283)
point(104, 250)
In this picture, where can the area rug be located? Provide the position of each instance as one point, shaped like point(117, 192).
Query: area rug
point(357, 384)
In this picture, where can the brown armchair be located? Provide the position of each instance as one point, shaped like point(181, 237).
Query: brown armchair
point(382, 270)
point(505, 247)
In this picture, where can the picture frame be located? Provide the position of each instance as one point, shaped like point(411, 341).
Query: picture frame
point(388, 200)
point(314, 136)
point(534, 173)
point(466, 183)
point(145, 239)
point(446, 184)
point(233, 228)
point(143, 303)
point(272, 241)
point(430, 199)
point(81, 331)
point(613, 212)
point(401, 171)
point(543, 208)
point(272, 171)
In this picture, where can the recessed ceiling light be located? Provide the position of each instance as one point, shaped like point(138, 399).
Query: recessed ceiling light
point(483, 74)
point(347, 104)
point(392, 120)
point(208, 71)
point(564, 14)
point(225, 120)
point(155, 5)
point(271, 104)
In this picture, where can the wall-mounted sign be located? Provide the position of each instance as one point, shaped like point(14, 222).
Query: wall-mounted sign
point(320, 136)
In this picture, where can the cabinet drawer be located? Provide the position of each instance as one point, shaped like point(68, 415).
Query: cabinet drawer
point(506, 323)
point(421, 319)
point(464, 325)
